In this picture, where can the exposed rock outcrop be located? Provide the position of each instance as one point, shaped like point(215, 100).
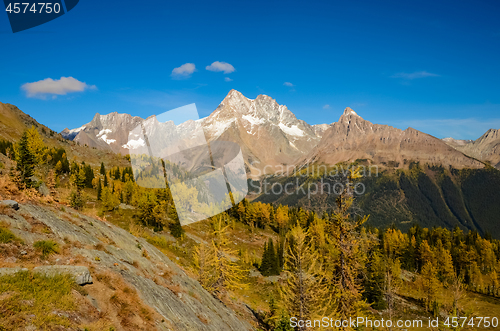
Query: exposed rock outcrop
point(10, 203)
point(104, 248)
point(79, 273)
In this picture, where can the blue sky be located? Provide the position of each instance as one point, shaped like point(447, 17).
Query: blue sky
point(426, 64)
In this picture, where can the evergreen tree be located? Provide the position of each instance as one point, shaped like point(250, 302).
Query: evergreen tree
point(89, 175)
point(265, 263)
point(103, 169)
point(99, 190)
point(176, 229)
point(274, 268)
point(375, 278)
point(105, 184)
point(283, 323)
point(146, 209)
point(26, 160)
point(270, 264)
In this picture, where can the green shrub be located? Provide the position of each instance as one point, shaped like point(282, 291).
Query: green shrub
point(46, 247)
point(6, 236)
point(76, 200)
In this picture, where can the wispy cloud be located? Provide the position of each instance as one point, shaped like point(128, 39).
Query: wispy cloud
point(288, 84)
point(221, 66)
point(54, 87)
point(227, 79)
point(184, 71)
point(414, 75)
point(326, 107)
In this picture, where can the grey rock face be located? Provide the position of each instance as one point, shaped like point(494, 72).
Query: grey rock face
point(79, 273)
point(122, 253)
point(10, 203)
point(11, 271)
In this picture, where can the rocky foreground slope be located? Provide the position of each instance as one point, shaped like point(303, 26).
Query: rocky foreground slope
point(116, 260)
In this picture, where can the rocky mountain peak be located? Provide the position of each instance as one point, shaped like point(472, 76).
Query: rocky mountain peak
point(491, 134)
point(348, 116)
point(349, 111)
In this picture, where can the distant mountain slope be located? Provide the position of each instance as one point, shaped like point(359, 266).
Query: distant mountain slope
point(353, 138)
point(13, 122)
point(109, 132)
point(424, 194)
point(485, 148)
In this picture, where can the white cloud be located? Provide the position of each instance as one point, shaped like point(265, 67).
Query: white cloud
point(326, 107)
point(227, 79)
point(221, 66)
point(184, 71)
point(414, 75)
point(288, 84)
point(61, 86)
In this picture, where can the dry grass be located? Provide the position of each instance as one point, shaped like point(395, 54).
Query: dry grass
point(100, 247)
point(175, 288)
point(8, 190)
point(121, 302)
point(203, 319)
point(32, 298)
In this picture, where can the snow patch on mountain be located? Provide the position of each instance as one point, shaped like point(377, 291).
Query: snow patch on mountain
point(218, 128)
point(103, 133)
point(78, 129)
point(253, 120)
point(293, 131)
point(133, 144)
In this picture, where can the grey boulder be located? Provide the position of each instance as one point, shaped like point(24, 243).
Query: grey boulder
point(10, 203)
point(80, 274)
point(11, 271)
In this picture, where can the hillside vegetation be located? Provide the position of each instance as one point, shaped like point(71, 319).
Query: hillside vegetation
point(420, 194)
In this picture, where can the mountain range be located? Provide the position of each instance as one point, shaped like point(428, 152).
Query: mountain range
point(422, 179)
point(270, 135)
